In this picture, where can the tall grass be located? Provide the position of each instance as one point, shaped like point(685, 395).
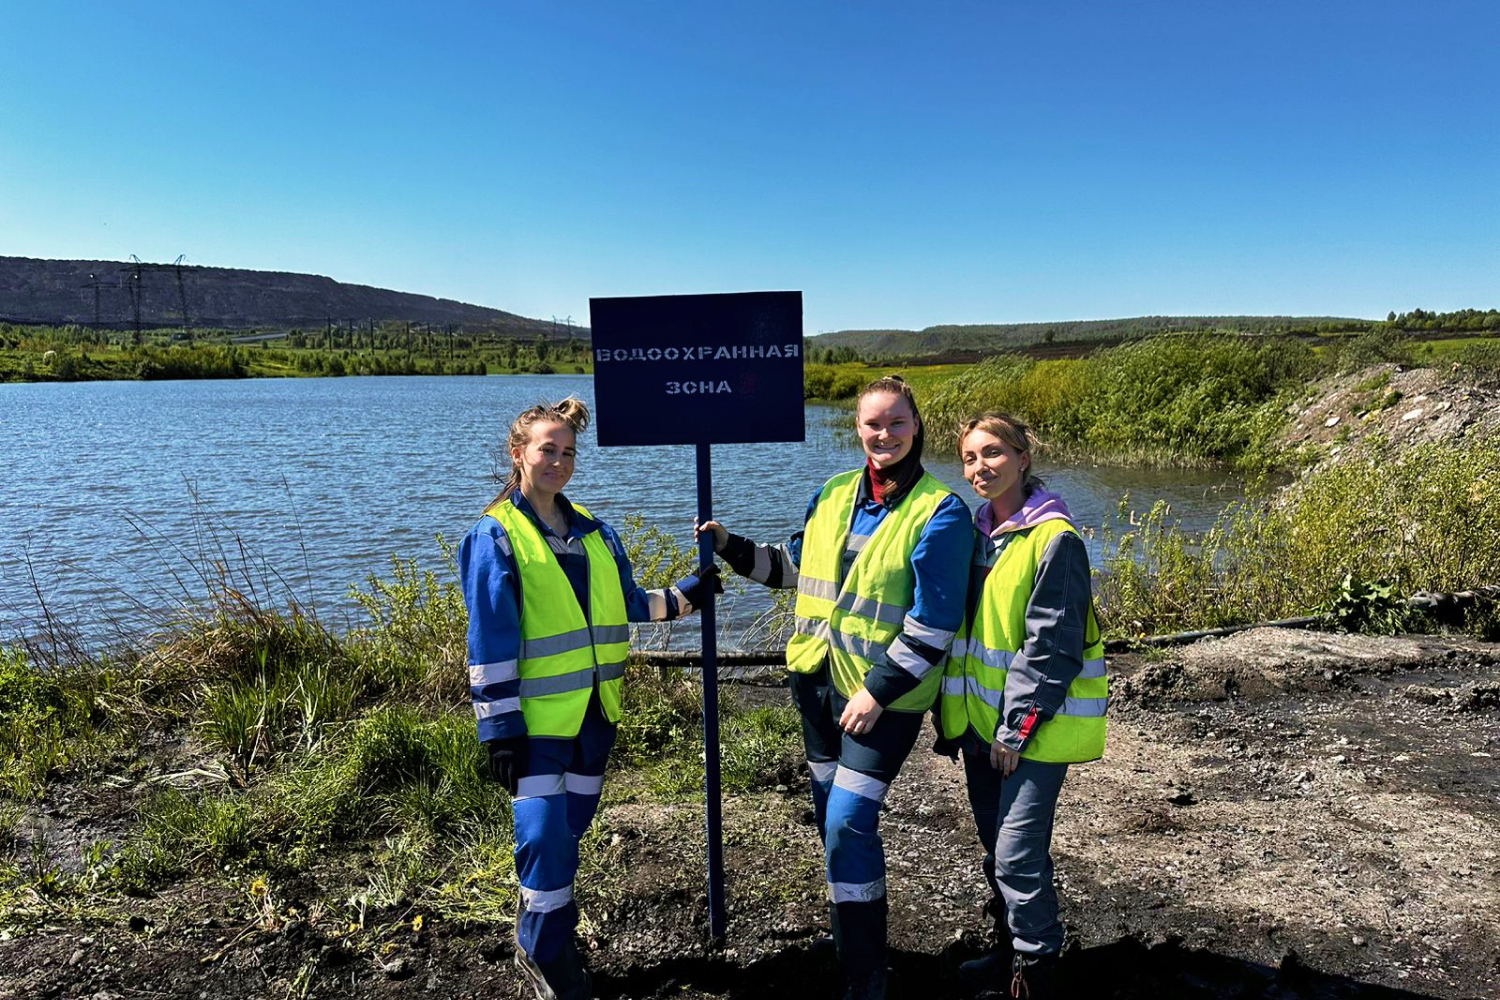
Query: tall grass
point(274, 746)
point(1191, 400)
point(416, 638)
point(1425, 522)
point(47, 719)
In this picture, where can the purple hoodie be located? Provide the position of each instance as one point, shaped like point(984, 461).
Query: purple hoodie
point(1039, 506)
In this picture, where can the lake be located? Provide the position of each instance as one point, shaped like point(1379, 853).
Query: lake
point(118, 495)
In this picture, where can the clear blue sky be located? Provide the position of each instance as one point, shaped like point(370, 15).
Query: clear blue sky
point(901, 164)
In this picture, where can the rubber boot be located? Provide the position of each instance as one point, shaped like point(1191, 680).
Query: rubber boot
point(822, 947)
point(1034, 977)
point(562, 978)
point(866, 984)
point(992, 970)
point(859, 930)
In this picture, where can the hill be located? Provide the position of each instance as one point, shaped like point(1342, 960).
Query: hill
point(983, 337)
point(108, 293)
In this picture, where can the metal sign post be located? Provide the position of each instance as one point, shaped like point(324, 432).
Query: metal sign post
point(713, 813)
point(700, 370)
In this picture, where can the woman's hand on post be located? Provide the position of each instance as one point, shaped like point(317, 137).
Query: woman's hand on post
point(721, 534)
point(860, 714)
point(1004, 759)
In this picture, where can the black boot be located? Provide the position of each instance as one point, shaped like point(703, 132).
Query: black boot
point(866, 984)
point(859, 931)
point(1033, 977)
point(561, 978)
point(991, 971)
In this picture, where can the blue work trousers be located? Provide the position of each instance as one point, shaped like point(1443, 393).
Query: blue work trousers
point(1014, 817)
point(850, 777)
point(555, 802)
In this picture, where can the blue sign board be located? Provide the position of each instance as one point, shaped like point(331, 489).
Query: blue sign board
point(698, 369)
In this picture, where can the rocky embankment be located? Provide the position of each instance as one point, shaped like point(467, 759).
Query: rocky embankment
point(1385, 410)
point(1280, 815)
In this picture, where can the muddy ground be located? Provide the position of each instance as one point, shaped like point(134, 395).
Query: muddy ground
point(1279, 815)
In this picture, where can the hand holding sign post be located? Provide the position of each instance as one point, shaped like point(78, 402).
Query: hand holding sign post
point(700, 370)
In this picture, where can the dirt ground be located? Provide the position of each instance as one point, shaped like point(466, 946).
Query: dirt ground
point(1279, 815)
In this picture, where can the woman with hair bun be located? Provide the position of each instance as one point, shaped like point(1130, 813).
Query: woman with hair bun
point(880, 567)
point(1024, 696)
point(550, 596)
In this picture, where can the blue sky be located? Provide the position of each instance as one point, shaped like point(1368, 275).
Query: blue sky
point(901, 164)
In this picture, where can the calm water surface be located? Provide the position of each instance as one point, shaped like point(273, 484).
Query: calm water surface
point(117, 494)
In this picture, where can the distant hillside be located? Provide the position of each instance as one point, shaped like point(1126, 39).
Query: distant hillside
point(999, 336)
point(60, 292)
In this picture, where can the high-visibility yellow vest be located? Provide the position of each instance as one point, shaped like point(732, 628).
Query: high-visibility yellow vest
point(848, 618)
point(562, 653)
point(974, 680)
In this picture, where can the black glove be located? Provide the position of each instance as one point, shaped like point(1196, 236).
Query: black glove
point(693, 586)
point(943, 745)
point(506, 759)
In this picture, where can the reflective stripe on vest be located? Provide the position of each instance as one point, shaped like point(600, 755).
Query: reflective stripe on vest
point(561, 654)
point(850, 618)
point(973, 688)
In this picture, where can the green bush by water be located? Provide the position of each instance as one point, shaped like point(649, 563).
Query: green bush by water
point(48, 719)
point(1169, 400)
point(1425, 522)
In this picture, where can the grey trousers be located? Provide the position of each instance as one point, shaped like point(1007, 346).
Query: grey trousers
point(1014, 817)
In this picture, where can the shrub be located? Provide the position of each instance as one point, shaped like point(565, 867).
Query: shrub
point(417, 636)
point(1422, 523)
point(1381, 345)
point(847, 385)
point(1190, 399)
point(46, 719)
point(1484, 356)
point(817, 382)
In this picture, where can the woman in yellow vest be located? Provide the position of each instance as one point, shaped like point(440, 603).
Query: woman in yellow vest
point(550, 594)
point(1024, 695)
point(880, 568)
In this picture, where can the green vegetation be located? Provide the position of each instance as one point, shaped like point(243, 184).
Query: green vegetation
point(1473, 320)
point(1480, 356)
point(1178, 400)
point(278, 753)
point(837, 383)
point(41, 713)
point(75, 354)
point(1193, 400)
point(989, 338)
point(1343, 541)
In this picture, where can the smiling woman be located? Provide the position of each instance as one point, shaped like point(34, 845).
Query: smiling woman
point(880, 569)
point(550, 596)
point(1024, 694)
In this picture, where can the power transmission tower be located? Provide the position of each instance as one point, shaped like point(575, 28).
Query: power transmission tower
point(187, 324)
point(95, 284)
point(133, 286)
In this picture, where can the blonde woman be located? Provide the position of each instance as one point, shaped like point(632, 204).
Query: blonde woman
point(1024, 695)
point(550, 596)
